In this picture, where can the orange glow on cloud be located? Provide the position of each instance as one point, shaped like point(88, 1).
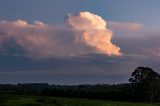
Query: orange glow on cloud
point(88, 34)
point(92, 30)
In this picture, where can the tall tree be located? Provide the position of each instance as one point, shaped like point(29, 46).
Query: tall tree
point(146, 83)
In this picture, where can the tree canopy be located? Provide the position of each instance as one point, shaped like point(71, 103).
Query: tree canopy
point(146, 84)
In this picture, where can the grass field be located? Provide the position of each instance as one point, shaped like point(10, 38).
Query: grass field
point(15, 100)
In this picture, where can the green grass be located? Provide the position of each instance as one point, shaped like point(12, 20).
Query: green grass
point(15, 100)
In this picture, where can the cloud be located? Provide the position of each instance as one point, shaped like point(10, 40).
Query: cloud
point(39, 40)
point(144, 43)
point(88, 34)
point(33, 38)
point(94, 66)
point(92, 30)
point(125, 26)
point(80, 40)
point(136, 39)
point(153, 52)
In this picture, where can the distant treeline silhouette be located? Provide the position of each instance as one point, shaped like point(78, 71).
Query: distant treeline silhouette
point(143, 86)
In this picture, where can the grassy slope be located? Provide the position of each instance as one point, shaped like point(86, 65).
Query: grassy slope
point(8, 100)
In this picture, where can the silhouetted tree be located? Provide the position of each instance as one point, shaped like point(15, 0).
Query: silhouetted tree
point(146, 83)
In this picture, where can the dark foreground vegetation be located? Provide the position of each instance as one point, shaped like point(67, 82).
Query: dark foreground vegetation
point(19, 100)
point(143, 86)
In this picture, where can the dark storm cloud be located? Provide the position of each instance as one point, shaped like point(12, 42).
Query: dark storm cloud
point(91, 68)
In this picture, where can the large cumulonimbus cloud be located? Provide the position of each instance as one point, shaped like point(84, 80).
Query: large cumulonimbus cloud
point(88, 33)
point(92, 30)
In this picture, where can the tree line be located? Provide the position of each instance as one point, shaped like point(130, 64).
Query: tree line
point(143, 86)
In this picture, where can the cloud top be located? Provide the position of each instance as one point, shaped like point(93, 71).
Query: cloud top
point(92, 30)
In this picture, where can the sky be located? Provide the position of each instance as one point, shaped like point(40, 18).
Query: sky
point(77, 42)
